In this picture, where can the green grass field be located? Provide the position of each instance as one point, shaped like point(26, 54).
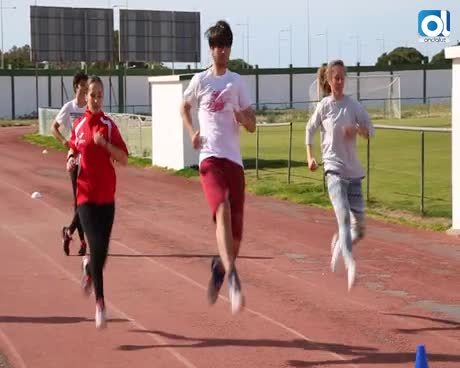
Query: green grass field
point(50, 142)
point(394, 167)
point(18, 122)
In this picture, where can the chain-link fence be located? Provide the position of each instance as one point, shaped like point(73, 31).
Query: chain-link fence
point(135, 129)
point(407, 167)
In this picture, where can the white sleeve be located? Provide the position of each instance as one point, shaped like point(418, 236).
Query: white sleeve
point(313, 124)
point(363, 120)
point(63, 117)
point(244, 101)
point(191, 93)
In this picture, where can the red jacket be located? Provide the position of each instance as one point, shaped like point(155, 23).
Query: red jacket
point(96, 180)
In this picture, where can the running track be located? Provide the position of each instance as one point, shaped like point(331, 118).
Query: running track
point(298, 313)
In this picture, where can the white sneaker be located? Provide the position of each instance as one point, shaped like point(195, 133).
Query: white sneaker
point(86, 282)
point(351, 270)
point(335, 249)
point(235, 294)
point(100, 317)
point(333, 242)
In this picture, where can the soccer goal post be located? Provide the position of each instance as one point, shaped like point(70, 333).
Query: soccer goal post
point(380, 92)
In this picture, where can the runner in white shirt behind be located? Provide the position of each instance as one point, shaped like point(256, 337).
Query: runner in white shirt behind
point(63, 121)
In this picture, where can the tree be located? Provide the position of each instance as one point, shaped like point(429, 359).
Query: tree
point(238, 64)
point(19, 57)
point(401, 56)
point(440, 58)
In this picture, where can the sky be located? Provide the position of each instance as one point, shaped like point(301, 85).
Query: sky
point(278, 32)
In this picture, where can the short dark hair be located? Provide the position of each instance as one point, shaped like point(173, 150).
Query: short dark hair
point(77, 78)
point(220, 35)
point(95, 79)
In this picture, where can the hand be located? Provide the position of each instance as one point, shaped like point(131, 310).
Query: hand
point(312, 164)
point(71, 164)
point(238, 116)
point(196, 141)
point(363, 132)
point(99, 139)
point(349, 131)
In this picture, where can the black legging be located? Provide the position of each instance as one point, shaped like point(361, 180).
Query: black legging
point(97, 221)
point(76, 219)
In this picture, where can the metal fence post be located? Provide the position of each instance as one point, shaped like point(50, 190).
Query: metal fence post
point(257, 152)
point(368, 183)
point(324, 180)
point(290, 153)
point(422, 174)
point(140, 136)
point(13, 97)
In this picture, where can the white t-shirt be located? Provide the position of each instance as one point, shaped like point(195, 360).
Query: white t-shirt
point(216, 98)
point(68, 113)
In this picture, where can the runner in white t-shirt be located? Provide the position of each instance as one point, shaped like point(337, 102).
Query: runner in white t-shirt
point(223, 106)
point(63, 121)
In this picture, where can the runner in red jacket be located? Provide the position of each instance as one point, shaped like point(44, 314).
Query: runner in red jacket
point(95, 143)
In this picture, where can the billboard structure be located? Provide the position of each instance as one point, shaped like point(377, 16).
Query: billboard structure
point(64, 34)
point(160, 36)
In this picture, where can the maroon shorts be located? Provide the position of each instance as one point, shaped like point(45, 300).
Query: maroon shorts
point(222, 179)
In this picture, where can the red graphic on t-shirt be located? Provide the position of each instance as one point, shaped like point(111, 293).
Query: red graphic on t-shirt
point(216, 102)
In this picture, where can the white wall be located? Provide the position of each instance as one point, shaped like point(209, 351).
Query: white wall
point(273, 90)
point(454, 54)
point(455, 146)
point(250, 81)
point(42, 91)
point(68, 89)
point(56, 92)
point(411, 84)
point(137, 92)
point(438, 83)
point(25, 95)
point(167, 128)
point(300, 89)
point(5, 97)
point(110, 93)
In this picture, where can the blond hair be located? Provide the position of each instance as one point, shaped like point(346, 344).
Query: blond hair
point(324, 89)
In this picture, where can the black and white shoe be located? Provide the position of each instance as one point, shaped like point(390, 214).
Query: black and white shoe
point(66, 238)
point(86, 280)
point(235, 294)
point(101, 316)
point(216, 280)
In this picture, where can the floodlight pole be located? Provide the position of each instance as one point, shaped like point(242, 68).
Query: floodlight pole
point(247, 40)
point(1, 20)
point(1, 31)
